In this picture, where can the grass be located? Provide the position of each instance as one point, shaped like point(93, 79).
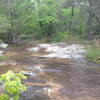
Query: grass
point(93, 54)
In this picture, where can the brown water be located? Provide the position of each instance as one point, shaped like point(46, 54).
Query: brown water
point(54, 79)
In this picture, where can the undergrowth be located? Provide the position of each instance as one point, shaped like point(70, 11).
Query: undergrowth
point(93, 54)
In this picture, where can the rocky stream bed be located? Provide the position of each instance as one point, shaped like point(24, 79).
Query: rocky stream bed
point(55, 72)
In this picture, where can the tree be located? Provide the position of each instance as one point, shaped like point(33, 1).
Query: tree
point(36, 19)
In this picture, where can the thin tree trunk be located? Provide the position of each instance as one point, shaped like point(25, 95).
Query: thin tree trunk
point(90, 32)
point(72, 15)
point(90, 19)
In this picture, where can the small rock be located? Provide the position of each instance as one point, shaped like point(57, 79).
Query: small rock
point(33, 49)
point(29, 74)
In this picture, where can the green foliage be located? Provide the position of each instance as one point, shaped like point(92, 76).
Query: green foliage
point(36, 19)
point(93, 55)
point(12, 84)
point(4, 97)
point(3, 24)
point(66, 12)
point(48, 19)
point(61, 36)
point(1, 41)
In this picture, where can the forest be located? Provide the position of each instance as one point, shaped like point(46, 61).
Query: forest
point(55, 20)
point(49, 49)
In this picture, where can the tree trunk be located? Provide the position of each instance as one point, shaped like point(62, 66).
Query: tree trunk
point(90, 31)
point(90, 20)
point(72, 15)
point(14, 38)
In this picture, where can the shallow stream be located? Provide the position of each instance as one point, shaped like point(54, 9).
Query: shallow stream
point(54, 78)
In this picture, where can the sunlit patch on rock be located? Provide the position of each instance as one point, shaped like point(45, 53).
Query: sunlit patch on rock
point(58, 51)
point(3, 45)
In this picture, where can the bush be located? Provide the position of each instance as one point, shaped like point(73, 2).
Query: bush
point(60, 36)
point(12, 85)
point(93, 55)
point(4, 97)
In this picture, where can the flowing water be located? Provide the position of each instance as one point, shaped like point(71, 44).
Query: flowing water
point(54, 78)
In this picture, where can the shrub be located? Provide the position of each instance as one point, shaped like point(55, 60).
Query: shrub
point(4, 97)
point(61, 36)
point(12, 85)
point(93, 55)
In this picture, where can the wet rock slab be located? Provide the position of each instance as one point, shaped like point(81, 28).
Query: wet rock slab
point(3, 63)
point(65, 78)
point(34, 93)
point(60, 50)
point(1, 53)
